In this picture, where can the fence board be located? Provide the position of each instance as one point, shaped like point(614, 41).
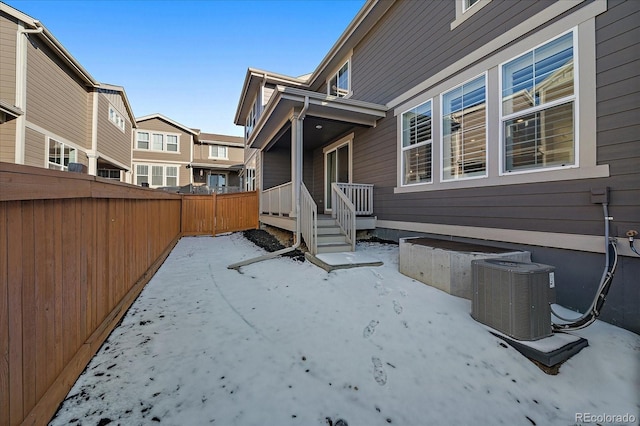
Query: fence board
point(14, 300)
point(4, 321)
point(198, 214)
point(237, 212)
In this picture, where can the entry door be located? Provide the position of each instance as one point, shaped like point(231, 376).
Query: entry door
point(337, 169)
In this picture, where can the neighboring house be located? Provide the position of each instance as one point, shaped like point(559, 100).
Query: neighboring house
point(162, 152)
point(475, 120)
point(52, 111)
point(218, 161)
point(168, 154)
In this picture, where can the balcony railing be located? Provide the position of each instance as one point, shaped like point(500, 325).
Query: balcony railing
point(277, 200)
point(360, 194)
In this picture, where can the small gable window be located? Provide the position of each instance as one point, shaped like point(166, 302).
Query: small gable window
point(340, 83)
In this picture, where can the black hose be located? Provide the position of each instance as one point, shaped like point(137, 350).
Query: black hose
point(593, 314)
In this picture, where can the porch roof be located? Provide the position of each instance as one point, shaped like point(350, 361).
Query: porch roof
point(286, 101)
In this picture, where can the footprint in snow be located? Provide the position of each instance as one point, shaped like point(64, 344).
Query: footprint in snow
point(378, 371)
point(370, 329)
point(397, 307)
point(378, 275)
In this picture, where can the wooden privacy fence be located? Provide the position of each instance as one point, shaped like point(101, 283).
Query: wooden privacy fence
point(75, 252)
point(219, 213)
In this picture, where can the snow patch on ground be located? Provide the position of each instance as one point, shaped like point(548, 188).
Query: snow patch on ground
point(286, 343)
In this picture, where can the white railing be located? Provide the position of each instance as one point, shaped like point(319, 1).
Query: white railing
point(308, 220)
point(361, 195)
point(277, 200)
point(344, 212)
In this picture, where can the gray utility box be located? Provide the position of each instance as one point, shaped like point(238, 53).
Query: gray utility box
point(513, 297)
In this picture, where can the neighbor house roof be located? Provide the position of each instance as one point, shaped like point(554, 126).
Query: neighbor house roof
point(125, 99)
point(167, 120)
point(213, 138)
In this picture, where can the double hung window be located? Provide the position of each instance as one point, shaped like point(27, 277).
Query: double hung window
point(154, 141)
point(60, 155)
point(464, 141)
point(416, 145)
point(218, 151)
point(538, 107)
point(340, 83)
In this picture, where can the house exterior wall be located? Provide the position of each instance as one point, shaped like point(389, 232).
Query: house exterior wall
point(179, 159)
point(8, 33)
point(385, 65)
point(8, 141)
point(155, 124)
point(278, 162)
point(112, 141)
point(56, 99)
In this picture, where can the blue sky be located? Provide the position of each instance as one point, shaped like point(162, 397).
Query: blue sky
point(188, 59)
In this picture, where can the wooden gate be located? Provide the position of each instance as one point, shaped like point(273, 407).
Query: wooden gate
point(218, 213)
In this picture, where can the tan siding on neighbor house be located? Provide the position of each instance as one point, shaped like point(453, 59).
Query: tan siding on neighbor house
point(157, 125)
point(8, 32)
point(35, 148)
point(8, 141)
point(112, 141)
point(56, 100)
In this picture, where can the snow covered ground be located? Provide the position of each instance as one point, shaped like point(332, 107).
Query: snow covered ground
point(286, 343)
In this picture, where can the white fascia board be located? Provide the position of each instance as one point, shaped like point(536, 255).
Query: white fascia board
point(123, 93)
point(269, 77)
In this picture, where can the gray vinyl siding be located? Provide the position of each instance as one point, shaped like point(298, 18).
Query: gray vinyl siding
point(56, 99)
point(276, 167)
point(618, 108)
point(112, 141)
point(8, 31)
point(414, 40)
point(563, 206)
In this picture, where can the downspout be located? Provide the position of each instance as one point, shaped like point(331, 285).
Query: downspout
point(21, 87)
point(298, 239)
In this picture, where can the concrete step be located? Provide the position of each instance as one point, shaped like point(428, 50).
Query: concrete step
point(336, 237)
point(333, 247)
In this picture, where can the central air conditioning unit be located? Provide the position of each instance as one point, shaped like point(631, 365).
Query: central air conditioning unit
point(513, 297)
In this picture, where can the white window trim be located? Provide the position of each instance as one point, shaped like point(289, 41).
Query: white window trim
point(164, 141)
point(64, 142)
point(335, 72)
point(347, 140)
point(119, 121)
point(573, 98)
point(463, 13)
point(226, 157)
point(584, 20)
point(150, 165)
point(486, 131)
point(403, 148)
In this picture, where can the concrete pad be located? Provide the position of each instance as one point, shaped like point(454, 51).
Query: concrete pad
point(342, 260)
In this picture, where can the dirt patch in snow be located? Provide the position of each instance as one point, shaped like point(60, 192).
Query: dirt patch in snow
point(271, 242)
